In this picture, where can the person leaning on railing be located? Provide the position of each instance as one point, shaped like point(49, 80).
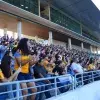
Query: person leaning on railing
point(9, 87)
point(7, 76)
point(11, 78)
point(41, 72)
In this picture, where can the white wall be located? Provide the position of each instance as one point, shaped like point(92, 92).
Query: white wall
point(76, 47)
point(56, 42)
point(88, 92)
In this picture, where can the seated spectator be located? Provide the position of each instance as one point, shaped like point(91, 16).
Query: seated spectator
point(6, 76)
point(48, 65)
point(45, 60)
point(91, 65)
point(45, 63)
point(11, 78)
point(69, 69)
point(50, 68)
point(5, 64)
point(60, 69)
point(41, 72)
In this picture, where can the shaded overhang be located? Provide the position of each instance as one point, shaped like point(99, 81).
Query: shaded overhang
point(82, 10)
point(20, 13)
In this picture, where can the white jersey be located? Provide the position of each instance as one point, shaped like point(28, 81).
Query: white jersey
point(77, 67)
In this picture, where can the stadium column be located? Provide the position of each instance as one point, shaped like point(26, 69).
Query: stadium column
point(19, 29)
point(5, 31)
point(36, 38)
point(82, 46)
point(91, 49)
point(50, 37)
point(69, 43)
point(13, 34)
point(97, 50)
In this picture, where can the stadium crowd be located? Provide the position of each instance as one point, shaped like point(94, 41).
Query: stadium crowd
point(25, 59)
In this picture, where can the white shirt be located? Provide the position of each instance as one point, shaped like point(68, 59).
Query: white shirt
point(77, 67)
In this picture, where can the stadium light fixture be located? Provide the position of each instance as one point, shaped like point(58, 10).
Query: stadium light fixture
point(26, 7)
point(97, 3)
point(22, 5)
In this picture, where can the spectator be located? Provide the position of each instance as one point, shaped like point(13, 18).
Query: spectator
point(23, 59)
point(40, 72)
point(91, 65)
point(43, 59)
point(6, 76)
point(60, 69)
point(76, 67)
point(5, 64)
point(9, 79)
point(3, 49)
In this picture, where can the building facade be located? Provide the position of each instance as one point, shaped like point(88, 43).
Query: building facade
point(39, 20)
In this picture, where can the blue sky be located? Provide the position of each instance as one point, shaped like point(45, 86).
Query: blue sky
point(97, 3)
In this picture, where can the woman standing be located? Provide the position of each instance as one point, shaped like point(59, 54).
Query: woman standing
point(23, 59)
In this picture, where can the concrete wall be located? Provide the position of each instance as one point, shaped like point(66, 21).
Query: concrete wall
point(56, 42)
point(28, 28)
point(88, 92)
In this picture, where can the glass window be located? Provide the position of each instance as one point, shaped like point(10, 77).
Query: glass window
point(31, 8)
point(11, 1)
point(64, 20)
point(27, 5)
point(22, 4)
point(16, 3)
point(36, 10)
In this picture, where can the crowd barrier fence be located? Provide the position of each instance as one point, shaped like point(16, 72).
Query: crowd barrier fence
point(67, 82)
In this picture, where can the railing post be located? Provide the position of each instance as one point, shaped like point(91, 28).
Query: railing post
point(55, 86)
point(17, 88)
point(82, 79)
point(75, 81)
point(92, 76)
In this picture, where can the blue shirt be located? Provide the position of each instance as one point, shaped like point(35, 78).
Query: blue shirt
point(3, 50)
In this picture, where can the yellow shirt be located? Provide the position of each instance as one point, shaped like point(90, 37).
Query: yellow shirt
point(50, 68)
point(45, 63)
point(1, 74)
point(91, 67)
point(25, 68)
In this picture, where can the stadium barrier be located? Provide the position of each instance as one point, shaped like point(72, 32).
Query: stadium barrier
point(58, 83)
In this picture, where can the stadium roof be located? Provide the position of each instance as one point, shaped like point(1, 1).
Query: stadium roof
point(83, 10)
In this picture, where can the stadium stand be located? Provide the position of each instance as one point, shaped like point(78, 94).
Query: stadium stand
point(47, 48)
point(31, 60)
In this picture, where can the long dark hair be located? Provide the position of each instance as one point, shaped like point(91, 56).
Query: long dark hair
point(22, 45)
point(5, 65)
point(91, 61)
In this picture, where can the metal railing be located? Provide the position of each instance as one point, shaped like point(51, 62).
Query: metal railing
point(57, 85)
point(86, 78)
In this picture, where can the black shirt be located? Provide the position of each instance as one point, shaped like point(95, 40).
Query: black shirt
point(59, 70)
point(39, 70)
